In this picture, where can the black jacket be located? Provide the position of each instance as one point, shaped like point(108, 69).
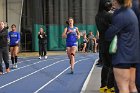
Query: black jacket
point(42, 40)
point(3, 37)
point(103, 20)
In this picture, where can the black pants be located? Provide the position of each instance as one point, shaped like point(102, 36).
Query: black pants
point(42, 49)
point(4, 56)
point(107, 76)
point(90, 46)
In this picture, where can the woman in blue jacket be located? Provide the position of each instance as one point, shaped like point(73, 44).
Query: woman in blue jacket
point(125, 26)
point(14, 38)
point(136, 9)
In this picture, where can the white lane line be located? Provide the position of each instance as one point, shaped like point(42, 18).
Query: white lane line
point(32, 59)
point(18, 57)
point(29, 65)
point(88, 78)
point(57, 76)
point(31, 74)
point(25, 61)
point(20, 62)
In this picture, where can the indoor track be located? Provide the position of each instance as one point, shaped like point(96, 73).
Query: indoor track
point(50, 75)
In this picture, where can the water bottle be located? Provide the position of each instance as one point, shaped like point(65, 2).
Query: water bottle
point(113, 45)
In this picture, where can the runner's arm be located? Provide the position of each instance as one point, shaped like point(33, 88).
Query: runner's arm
point(64, 35)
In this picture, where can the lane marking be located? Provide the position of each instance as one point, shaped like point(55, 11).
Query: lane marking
point(88, 77)
point(34, 59)
point(19, 62)
point(28, 65)
point(57, 76)
point(31, 74)
point(31, 64)
point(25, 61)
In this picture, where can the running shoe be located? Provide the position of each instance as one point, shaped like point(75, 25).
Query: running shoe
point(39, 57)
point(46, 57)
point(103, 89)
point(15, 66)
point(7, 70)
point(72, 72)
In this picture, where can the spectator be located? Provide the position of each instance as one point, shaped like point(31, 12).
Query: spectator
point(103, 20)
point(91, 42)
point(125, 26)
point(42, 43)
point(4, 50)
point(136, 9)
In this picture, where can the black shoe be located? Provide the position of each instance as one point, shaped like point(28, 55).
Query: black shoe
point(99, 63)
point(72, 72)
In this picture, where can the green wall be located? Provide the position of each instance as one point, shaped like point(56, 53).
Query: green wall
point(54, 36)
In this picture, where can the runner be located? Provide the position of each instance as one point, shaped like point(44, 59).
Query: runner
point(14, 38)
point(71, 33)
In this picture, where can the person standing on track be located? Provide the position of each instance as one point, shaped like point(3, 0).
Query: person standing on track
point(14, 38)
point(71, 33)
point(42, 43)
point(4, 54)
